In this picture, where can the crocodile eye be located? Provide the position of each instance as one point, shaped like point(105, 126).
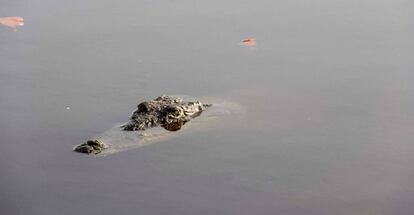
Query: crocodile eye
point(173, 111)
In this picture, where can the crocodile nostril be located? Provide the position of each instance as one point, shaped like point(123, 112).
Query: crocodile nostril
point(173, 110)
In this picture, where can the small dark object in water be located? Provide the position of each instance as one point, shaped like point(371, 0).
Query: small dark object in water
point(168, 112)
point(250, 41)
point(91, 147)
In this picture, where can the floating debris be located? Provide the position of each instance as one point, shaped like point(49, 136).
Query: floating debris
point(250, 41)
point(12, 22)
point(67, 108)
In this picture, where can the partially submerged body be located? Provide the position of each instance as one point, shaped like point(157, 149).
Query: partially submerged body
point(168, 112)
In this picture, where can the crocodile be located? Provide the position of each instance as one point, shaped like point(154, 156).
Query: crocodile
point(168, 112)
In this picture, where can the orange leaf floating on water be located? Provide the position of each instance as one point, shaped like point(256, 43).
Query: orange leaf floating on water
point(250, 41)
point(12, 22)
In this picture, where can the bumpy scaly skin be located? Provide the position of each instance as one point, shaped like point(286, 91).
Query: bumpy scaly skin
point(91, 147)
point(168, 112)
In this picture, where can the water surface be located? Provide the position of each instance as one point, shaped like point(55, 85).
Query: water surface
point(327, 95)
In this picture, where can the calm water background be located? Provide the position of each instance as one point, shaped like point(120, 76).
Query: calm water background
point(328, 94)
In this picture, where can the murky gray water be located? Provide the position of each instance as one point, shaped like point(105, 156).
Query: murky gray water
point(327, 92)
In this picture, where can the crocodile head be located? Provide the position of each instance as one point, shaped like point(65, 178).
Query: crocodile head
point(168, 112)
